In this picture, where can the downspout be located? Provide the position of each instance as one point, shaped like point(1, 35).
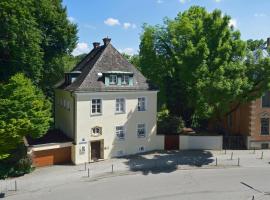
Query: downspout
point(74, 96)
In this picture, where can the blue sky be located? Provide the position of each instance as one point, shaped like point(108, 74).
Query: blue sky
point(122, 20)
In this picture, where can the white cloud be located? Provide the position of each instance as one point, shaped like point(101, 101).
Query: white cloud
point(128, 25)
point(260, 15)
point(89, 26)
point(233, 23)
point(82, 47)
point(184, 1)
point(160, 1)
point(111, 22)
point(128, 51)
point(72, 19)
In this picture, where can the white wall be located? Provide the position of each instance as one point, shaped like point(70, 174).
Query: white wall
point(64, 118)
point(109, 120)
point(200, 142)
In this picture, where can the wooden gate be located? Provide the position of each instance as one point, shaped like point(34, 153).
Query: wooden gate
point(171, 142)
point(95, 150)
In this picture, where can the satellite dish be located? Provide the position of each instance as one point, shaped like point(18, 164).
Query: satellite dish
point(99, 74)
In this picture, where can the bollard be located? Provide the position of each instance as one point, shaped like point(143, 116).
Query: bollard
point(253, 198)
point(254, 150)
point(225, 151)
point(231, 155)
point(85, 166)
point(16, 185)
point(216, 161)
point(238, 163)
point(88, 172)
point(112, 168)
point(262, 155)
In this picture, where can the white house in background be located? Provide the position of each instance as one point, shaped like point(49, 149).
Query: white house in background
point(107, 107)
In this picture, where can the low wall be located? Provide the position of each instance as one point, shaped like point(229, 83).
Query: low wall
point(200, 142)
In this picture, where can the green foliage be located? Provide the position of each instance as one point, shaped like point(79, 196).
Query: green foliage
point(168, 124)
point(35, 38)
point(24, 110)
point(16, 165)
point(200, 65)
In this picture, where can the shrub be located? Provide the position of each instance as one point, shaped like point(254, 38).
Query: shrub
point(169, 124)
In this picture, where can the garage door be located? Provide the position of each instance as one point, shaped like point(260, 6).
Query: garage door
point(52, 157)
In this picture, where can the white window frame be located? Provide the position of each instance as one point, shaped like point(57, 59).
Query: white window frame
point(123, 80)
point(91, 108)
point(145, 104)
point(138, 128)
point(111, 82)
point(124, 106)
point(117, 133)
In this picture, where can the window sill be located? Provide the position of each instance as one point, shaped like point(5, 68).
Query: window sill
point(95, 114)
point(119, 113)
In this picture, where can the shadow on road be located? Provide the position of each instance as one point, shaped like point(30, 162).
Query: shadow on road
point(169, 161)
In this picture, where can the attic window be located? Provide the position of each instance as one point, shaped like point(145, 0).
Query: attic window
point(125, 79)
point(113, 79)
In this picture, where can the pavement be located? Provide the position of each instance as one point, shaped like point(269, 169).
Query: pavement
point(156, 175)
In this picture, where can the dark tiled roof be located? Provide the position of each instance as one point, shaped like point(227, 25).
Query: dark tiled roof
point(101, 60)
point(52, 136)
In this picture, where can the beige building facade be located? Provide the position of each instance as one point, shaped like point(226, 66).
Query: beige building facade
point(107, 108)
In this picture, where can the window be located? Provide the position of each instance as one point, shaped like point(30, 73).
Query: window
point(229, 121)
point(141, 130)
point(96, 106)
point(96, 131)
point(141, 104)
point(113, 79)
point(141, 149)
point(266, 100)
point(120, 105)
point(120, 132)
point(264, 126)
point(125, 80)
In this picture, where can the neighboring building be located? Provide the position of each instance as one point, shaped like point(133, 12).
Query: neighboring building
point(252, 119)
point(107, 107)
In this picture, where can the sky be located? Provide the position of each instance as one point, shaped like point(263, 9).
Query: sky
point(122, 20)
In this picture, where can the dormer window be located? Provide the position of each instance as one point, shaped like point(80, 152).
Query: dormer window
point(125, 79)
point(113, 79)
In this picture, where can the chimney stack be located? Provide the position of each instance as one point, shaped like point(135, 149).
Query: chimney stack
point(268, 42)
point(106, 41)
point(96, 44)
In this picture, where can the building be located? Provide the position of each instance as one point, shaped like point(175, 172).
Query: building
point(107, 107)
point(252, 119)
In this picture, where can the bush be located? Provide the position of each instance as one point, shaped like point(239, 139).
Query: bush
point(169, 124)
point(18, 164)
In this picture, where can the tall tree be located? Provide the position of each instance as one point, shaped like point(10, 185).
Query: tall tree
point(35, 38)
point(201, 64)
point(24, 110)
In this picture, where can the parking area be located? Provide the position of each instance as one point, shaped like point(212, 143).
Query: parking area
point(173, 163)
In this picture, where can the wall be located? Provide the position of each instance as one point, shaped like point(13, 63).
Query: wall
point(64, 118)
point(109, 120)
point(200, 142)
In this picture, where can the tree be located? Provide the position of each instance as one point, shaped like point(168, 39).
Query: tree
point(133, 59)
point(35, 38)
point(24, 110)
point(201, 65)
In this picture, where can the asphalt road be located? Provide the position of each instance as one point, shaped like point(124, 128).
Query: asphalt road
point(196, 184)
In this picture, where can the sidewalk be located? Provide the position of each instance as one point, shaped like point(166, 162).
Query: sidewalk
point(154, 162)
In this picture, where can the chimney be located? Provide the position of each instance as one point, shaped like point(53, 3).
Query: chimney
point(268, 42)
point(96, 44)
point(106, 41)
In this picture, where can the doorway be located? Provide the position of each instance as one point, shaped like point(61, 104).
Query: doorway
point(95, 150)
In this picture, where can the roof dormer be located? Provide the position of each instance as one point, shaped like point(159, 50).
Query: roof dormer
point(119, 78)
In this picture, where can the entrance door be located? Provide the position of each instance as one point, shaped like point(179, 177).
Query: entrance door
point(95, 150)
